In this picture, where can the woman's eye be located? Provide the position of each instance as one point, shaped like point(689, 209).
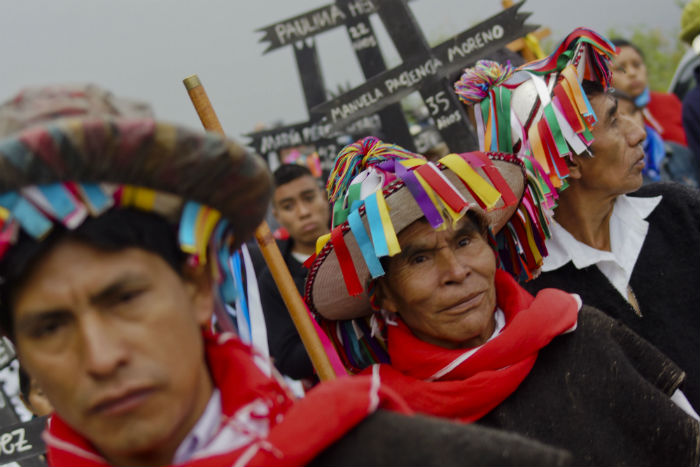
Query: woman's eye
point(419, 259)
point(129, 295)
point(464, 241)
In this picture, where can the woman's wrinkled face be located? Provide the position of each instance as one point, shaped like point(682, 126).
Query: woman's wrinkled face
point(442, 284)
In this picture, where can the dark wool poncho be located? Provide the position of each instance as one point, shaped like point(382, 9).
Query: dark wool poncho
point(666, 281)
point(602, 393)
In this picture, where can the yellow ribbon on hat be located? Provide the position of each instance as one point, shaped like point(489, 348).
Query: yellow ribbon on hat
point(488, 195)
point(321, 242)
point(207, 218)
point(392, 242)
point(141, 198)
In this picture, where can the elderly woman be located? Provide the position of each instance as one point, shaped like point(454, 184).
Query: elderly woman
point(411, 288)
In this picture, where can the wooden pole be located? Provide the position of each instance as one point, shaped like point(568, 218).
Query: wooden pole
point(270, 251)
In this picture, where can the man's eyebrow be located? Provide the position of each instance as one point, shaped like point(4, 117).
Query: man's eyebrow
point(310, 191)
point(124, 282)
point(30, 319)
point(117, 286)
point(288, 199)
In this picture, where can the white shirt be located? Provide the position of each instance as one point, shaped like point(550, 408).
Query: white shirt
point(215, 434)
point(203, 431)
point(628, 229)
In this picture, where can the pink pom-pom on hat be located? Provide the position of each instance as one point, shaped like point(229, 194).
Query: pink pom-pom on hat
point(475, 82)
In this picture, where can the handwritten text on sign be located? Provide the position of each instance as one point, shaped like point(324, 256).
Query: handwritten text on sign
point(393, 85)
point(22, 440)
point(307, 133)
point(313, 22)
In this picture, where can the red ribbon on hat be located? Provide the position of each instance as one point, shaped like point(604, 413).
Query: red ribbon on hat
point(347, 267)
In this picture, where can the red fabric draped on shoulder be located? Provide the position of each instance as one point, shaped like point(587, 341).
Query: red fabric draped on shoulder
point(299, 430)
point(442, 382)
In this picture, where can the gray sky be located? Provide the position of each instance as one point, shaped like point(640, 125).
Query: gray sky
point(144, 48)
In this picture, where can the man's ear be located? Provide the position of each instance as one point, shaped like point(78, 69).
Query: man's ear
point(198, 285)
point(574, 164)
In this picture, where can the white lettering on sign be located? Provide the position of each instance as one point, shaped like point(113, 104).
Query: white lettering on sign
point(302, 27)
point(361, 7)
point(364, 124)
point(365, 100)
point(438, 101)
point(14, 441)
point(359, 30)
point(475, 42)
point(367, 42)
point(416, 75)
point(315, 132)
point(427, 140)
point(447, 120)
point(285, 139)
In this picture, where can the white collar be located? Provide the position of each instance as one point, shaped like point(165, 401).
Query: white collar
point(628, 230)
point(203, 431)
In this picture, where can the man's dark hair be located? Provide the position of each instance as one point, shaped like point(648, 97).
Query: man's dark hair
point(592, 88)
point(115, 230)
point(620, 42)
point(289, 172)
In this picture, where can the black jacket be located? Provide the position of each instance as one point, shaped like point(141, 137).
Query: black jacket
point(665, 280)
point(387, 438)
point(602, 393)
point(286, 348)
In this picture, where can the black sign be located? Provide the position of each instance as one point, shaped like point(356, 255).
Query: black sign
point(319, 134)
point(364, 43)
point(7, 354)
point(393, 85)
point(22, 441)
point(313, 22)
point(310, 73)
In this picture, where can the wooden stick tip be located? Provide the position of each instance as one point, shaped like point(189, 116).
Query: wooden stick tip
point(191, 82)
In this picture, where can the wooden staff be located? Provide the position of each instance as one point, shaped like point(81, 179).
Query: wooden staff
point(270, 251)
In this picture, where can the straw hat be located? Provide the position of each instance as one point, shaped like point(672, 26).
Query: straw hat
point(69, 152)
point(378, 190)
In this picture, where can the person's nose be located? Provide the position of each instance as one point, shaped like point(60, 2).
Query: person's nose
point(453, 270)
point(303, 209)
point(104, 350)
point(635, 132)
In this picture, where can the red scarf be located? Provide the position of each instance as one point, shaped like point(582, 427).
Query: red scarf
point(306, 426)
point(480, 383)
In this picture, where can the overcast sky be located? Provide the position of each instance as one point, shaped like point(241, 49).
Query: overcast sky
point(144, 48)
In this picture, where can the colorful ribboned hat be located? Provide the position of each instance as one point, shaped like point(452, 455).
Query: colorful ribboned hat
point(59, 170)
point(377, 190)
point(539, 110)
